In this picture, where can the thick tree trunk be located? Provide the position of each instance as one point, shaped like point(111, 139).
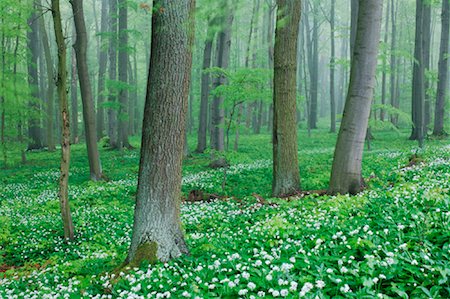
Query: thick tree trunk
point(442, 88)
point(103, 59)
point(65, 144)
point(157, 232)
point(50, 83)
point(206, 78)
point(286, 176)
point(346, 171)
point(34, 130)
point(86, 91)
point(123, 75)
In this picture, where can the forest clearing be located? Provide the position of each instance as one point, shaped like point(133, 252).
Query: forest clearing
point(224, 149)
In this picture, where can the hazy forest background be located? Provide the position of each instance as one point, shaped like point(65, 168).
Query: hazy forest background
point(224, 149)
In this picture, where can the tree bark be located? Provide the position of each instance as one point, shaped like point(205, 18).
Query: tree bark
point(206, 78)
point(384, 75)
point(223, 59)
point(286, 176)
point(50, 83)
point(123, 75)
point(112, 98)
point(394, 72)
point(442, 88)
point(346, 171)
point(74, 94)
point(80, 47)
point(157, 232)
point(332, 71)
point(34, 129)
point(103, 60)
point(65, 144)
point(418, 90)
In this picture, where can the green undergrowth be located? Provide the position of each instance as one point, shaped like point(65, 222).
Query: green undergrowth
point(391, 241)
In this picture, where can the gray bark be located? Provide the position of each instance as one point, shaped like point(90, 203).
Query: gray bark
point(103, 60)
point(332, 70)
point(112, 97)
point(86, 91)
point(123, 75)
point(346, 171)
point(442, 88)
point(157, 232)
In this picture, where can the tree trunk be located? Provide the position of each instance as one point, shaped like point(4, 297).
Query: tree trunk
point(223, 59)
point(50, 83)
point(426, 40)
point(384, 75)
point(206, 78)
point(439, 111)
point(286, 176)
point(123, 75)
point(34, 130)
point(157, 232)
point(65, 144)
point(418, 92)
point(393, 66)
point(332, 70)
point(74, 95)
point(353, 25)
point(112, 98)
point(103, 59)
point(80, 47)
point(346, 171)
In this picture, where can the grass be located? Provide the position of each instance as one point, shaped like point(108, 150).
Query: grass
point(391, 241)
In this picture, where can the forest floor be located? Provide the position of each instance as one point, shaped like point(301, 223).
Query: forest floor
point(390, 241)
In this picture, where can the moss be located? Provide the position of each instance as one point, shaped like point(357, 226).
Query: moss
point(145, 252)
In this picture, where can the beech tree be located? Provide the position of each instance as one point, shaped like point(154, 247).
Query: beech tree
point(90, 132)
point(286, 176)
point(157, 232)
point(439, 111)
point(346, 170)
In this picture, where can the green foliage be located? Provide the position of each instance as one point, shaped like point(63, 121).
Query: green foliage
point(392, 239)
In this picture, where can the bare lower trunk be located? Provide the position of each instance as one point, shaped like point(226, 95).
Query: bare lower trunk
point(346, 171)
point(439, 112)
point(65, 144)
point(157, 233)
point(102, 70)
point(86, 91)
point(286, 176)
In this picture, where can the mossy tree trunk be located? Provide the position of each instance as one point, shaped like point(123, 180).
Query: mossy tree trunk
point(346, 171)
point(286, 176)
point(157, 232)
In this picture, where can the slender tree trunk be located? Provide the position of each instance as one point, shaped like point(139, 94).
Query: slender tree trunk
point(286, 176)
point(103, 60)
point(223, 59)
point(123, 75)
point(346, 171)
point(50, 83)
point(205, 85)
point(112, 99)
point(74, 95)
point(384, 75)
point(332, 71)
point(393, 66)
point(157, 232)
point(426, 40)
point(442, 88)
point(418, 91)
point(65, 145)
point(270, 50)
point(86, 91)
point(353, 25)
point(34, 130)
